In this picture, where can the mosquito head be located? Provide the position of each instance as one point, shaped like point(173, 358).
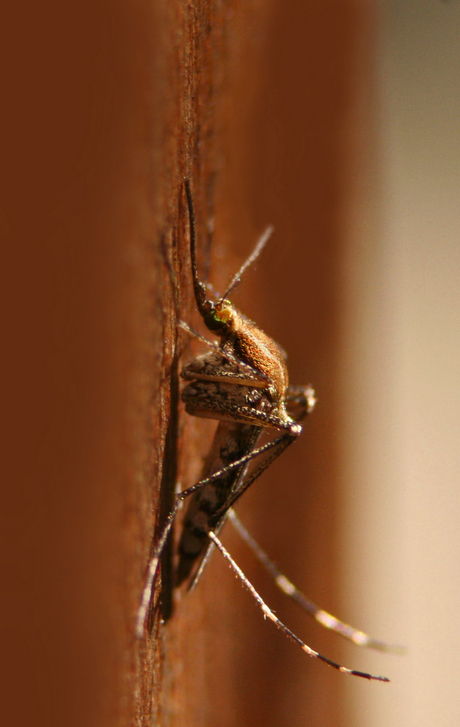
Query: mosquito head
point(219, 317)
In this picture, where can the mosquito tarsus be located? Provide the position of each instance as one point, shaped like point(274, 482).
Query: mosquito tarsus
point(243, 383)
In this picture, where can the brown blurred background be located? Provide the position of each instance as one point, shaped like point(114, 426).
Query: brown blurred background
point(338, 123)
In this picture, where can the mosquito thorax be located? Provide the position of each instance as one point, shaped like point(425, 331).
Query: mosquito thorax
point(248, 343)
point(256, 348)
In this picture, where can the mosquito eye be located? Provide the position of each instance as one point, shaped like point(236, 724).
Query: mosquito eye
point(214, 321)
point(219, 317)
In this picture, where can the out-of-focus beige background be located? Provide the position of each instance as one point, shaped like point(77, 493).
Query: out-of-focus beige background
point(400, 459)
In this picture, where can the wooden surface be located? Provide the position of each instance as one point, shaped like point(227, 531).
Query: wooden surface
point(109, 107)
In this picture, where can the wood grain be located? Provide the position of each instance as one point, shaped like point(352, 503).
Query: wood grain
point(109, 107)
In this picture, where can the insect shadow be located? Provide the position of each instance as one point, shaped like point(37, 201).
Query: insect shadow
point(243, 383)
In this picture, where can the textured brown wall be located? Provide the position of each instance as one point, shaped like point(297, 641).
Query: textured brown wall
point(106, 109)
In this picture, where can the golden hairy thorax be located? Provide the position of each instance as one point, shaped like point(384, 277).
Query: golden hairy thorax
point(252, 346)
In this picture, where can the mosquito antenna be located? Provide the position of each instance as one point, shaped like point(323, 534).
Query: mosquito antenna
point(254, 255)
point(198, 287)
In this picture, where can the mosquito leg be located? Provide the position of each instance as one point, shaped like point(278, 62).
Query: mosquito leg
point(219, 518)
point(222, 513)
point(289, 589)
point(268, 613)
point(152, 569)
point(205, 559)
point(237, 463)
point(281, 444)
point(156, 556)
point(278, 445)
point(233, 465)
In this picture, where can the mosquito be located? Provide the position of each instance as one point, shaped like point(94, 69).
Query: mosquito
point(243, 383)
